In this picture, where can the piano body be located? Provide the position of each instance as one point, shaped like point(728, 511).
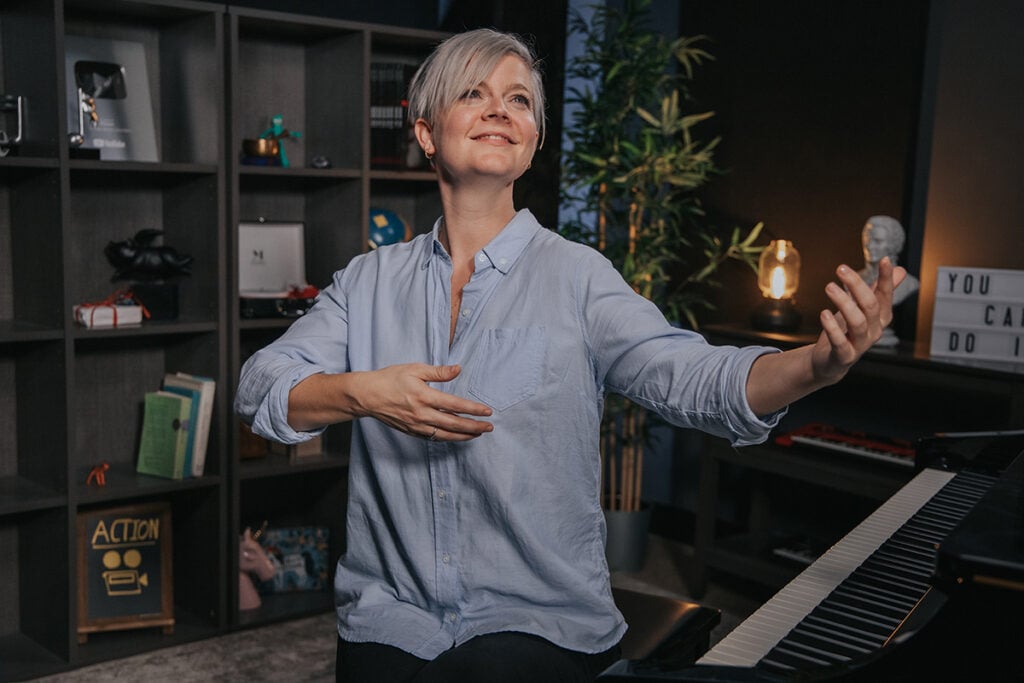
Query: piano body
point(930, 587)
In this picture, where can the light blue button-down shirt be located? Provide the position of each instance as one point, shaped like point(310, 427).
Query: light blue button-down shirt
point(447, 541)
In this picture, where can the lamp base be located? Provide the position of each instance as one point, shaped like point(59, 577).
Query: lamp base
point(775, 315)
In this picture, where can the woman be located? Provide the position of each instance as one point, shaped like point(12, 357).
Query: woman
point(473, 362)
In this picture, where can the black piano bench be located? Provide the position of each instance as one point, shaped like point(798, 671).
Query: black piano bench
point(665, 633)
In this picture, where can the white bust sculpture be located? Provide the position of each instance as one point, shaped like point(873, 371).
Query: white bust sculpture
point(884, 236)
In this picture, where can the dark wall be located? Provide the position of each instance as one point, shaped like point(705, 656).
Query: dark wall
point(974, 203)
point(817, 105)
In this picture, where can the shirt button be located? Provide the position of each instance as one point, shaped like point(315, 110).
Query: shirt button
point(466, 312)
point(441, 494)
point(450, 617)
point(446, 558)
point(481, 258)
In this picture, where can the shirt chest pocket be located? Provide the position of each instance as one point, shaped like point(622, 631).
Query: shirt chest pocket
point(509, 366)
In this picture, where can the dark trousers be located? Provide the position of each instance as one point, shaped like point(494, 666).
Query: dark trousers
point(493, 658)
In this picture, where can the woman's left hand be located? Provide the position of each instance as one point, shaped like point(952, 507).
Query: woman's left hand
point(863, 311)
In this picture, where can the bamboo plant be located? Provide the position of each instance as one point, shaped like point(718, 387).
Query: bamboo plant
point(633, 170)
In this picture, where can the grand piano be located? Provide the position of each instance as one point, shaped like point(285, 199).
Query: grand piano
point(930, 587)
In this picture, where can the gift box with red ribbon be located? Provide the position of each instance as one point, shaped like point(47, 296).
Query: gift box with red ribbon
point(120, 309)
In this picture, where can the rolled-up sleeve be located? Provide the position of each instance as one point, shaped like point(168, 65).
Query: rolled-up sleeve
point(670, 371)
point(315, 343)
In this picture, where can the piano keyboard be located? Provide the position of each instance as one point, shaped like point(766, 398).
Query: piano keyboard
point(860, 451)
point(838, 440)
point(850, 600)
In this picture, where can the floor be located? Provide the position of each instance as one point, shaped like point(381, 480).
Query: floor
point(302, 650)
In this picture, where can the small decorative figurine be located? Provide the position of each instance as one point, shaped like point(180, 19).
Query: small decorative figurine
point(884, 236)
point(278, 132)
point(252, 559)
point(98, 475)
point(138, 258)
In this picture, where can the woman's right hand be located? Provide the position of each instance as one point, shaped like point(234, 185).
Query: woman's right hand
point(399, 396)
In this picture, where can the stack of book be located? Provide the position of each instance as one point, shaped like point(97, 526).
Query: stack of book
point(392, 144)
point(176, 427)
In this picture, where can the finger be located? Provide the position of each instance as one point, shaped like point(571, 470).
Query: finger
point(855, 322)
point(450, 403)
point(445, 427)
point(462, 433)
point(835, 333)
point(440, 373)
point(873, 303)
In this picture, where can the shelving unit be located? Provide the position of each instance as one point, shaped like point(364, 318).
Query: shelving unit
point(71, 397)
point(892, 392)
point(315, 74)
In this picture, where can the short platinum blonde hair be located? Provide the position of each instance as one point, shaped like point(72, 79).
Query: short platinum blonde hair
point(462, 62)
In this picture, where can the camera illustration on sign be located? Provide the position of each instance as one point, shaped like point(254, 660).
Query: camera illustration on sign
point(122, 576)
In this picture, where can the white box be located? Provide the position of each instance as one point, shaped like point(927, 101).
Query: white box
point(271, 259)
point(108, 315)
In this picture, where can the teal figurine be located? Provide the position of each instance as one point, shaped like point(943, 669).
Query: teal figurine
point(278, 132)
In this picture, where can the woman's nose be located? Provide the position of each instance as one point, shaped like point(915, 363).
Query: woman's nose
point(496, 107)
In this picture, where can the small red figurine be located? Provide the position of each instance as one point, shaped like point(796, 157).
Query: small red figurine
point(98, 474)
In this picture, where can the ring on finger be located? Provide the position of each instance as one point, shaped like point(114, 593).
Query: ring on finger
point(432, 435)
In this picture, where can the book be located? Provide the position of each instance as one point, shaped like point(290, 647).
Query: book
point(205, 388)
point(193, 421)
point(165, 434)
point(392, 145)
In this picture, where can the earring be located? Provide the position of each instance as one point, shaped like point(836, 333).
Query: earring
point(428, 155)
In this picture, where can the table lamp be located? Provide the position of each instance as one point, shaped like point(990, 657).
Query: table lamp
point(778, 276)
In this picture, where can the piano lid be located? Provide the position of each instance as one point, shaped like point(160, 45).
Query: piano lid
point(987, 548)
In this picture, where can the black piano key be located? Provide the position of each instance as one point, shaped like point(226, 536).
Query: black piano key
point(864, 583)
point(847, 623)
point(887, 580)
point(868, 622)
point(787, 658)
point(829, 649)
point(844, 600)
point(896, 566)
point(898, 605)
point(841, 643)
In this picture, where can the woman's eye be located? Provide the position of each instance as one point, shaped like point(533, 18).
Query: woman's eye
point(521, 100)
point(471, 94)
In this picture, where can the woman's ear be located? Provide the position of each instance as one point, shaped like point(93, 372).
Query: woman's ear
point(425, 136)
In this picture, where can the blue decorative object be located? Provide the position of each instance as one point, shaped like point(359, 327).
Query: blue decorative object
point(387, 227)
point(300, 559)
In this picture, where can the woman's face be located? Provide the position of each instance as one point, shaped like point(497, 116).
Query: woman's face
point(490, 131)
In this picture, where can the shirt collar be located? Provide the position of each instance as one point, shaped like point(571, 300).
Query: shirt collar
point(502, 252)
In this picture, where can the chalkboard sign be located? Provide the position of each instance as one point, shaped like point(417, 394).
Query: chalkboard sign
point(979, 317)
point(125, 577)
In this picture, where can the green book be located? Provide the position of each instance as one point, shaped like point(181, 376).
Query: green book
point(166, 433)
point(201, 427)
point(193, 421)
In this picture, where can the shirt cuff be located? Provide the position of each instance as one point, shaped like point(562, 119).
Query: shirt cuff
point(750, 428)
point(271, 419)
